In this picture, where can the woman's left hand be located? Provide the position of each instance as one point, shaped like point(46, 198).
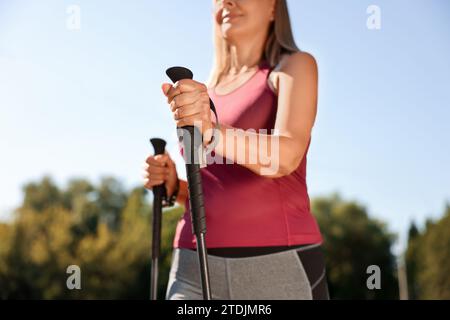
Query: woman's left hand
point(189, 104)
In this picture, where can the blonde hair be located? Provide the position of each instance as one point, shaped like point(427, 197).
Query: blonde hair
point(280, 40)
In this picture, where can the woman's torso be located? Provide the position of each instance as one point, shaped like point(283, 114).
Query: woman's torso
point(244, 209)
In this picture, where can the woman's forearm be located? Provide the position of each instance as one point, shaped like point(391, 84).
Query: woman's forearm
point(182, 193)
point(269, 155)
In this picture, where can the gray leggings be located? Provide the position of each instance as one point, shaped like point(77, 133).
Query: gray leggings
point(272, 276)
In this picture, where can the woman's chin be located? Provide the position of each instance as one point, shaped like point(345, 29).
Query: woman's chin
point(232, 32)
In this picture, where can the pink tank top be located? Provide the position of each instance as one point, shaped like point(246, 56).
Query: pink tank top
point(244, 209)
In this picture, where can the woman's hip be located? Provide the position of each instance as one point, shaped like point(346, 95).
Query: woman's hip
point(282, 275)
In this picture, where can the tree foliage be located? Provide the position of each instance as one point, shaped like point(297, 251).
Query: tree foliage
point(352, 243)
point(428, 259)
point(106, 231)
point(102, 229)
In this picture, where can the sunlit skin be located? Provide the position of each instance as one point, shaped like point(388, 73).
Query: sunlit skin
point(245, 27)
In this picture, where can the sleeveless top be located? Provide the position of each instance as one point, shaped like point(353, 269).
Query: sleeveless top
point(244, 209)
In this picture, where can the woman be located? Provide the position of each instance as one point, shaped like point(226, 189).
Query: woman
point(262, 240)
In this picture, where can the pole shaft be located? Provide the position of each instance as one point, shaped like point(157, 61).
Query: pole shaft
point(202, 256)
point(158, 194)
point(154, 280)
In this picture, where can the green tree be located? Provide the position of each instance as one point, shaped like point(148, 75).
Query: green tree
point(72, 226)
point(5, 248)
point(353, 242)
point(428, 260)
point(38, 196)
point(106, 231)
point(411, 259)
point(38, 255)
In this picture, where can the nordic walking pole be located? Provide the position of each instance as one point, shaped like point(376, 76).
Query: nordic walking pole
point(158, 194)
point(192, 142)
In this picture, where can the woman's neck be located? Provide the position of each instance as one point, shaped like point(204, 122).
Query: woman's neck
point(246, 54)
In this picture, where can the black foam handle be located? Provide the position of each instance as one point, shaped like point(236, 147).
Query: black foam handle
point(159, 192)
point(159, 145)
point(179, 73)
point(191, 147)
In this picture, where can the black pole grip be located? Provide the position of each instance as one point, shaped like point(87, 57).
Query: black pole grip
point(192, 141)
point(159, 193)
point(159, 145)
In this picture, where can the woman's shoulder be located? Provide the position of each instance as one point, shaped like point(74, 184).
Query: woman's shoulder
point(294, 65)
point(299, 61)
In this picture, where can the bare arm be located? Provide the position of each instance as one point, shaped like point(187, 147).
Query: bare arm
point(182, 193)
point(297, 108)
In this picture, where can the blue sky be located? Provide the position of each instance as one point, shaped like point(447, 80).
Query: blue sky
point(84, 103)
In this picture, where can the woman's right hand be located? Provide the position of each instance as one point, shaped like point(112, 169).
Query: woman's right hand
point(160, 169)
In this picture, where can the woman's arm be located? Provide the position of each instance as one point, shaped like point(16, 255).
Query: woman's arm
point(182, 193)
point(297, 108)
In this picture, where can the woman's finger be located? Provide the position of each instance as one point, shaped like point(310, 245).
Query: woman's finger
point(157, 170)
point(151, 161)
point(165, 88)
point(163, 158)
point(184, 86)
point(187, 110)
point(184, 99)
point(158, 176)
point(158, 160)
